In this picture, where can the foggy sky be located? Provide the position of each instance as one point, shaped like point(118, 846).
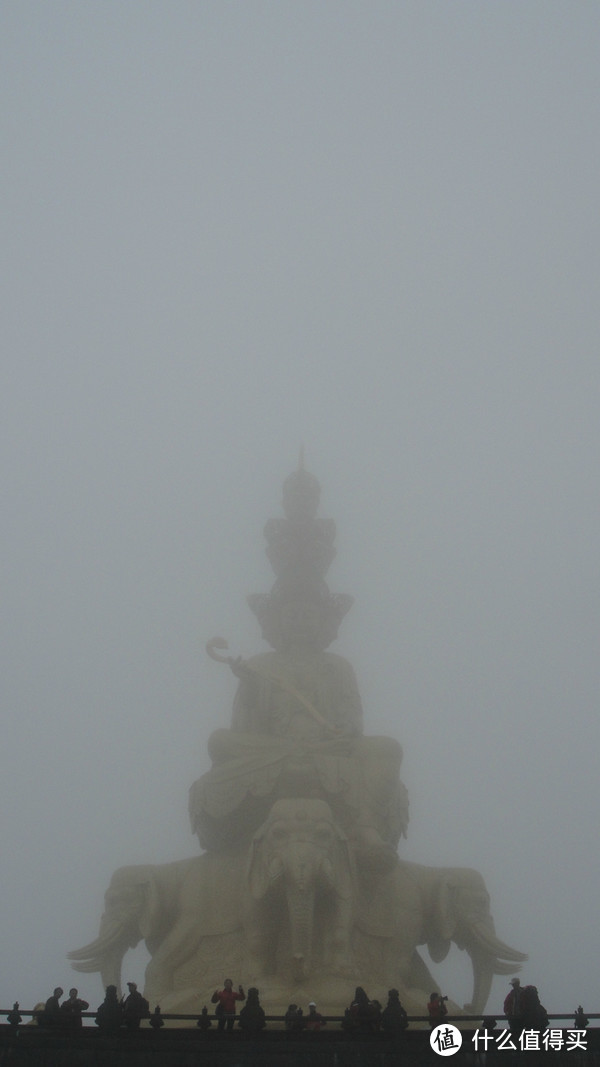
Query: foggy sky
point(232, 228)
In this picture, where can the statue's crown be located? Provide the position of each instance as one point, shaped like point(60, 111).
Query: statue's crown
point(300, 549)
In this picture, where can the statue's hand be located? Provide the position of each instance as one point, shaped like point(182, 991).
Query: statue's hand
point(238, 666)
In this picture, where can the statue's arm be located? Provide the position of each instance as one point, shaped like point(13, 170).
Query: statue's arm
point(350, 711)
point(247, 712)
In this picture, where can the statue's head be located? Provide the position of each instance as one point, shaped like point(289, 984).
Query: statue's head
point(300, 618)
point(301, 625)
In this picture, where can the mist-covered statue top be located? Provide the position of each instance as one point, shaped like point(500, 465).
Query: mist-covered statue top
point(297, 716)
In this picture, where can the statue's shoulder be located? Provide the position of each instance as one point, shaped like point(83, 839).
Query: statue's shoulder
point(336, 660)
point(338, 665)
point(265, 656)
point(264, 660)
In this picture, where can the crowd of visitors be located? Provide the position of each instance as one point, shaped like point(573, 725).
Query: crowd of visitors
point(522, 1009)
point(111, 1014)
point(68, 1014)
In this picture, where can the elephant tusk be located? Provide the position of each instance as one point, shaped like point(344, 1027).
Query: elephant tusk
point(89, 967)
point(506, 968)
point(116, 936)
point(487, 940)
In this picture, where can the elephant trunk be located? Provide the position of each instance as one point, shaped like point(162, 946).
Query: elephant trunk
point(483, 972)
point(105, 954)
point(487, 953)
point(301, 902)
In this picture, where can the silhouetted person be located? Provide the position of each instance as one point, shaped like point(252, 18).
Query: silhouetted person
point(225, 1000)
point(109, 1016)
point(363, 1014)
point(252, 1017)
point(51, 1016)
point(204, 1022)
point(437, 1009)
point(156, 1019)
point(581, 1019)
point(294, 1019)
point(513, 1007)
point(14, 1018)
point(393, 1017)
point(314, 1019)
point(71, 1010)
point(135, 1007)
point(534, 1014)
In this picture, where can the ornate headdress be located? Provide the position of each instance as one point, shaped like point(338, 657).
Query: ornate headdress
point(300, 550)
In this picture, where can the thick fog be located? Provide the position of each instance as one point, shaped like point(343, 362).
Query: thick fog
point(229, 229)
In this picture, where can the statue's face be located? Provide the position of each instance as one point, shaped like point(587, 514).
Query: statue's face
point(300, 625)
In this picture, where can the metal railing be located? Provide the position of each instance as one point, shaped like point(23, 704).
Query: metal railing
point(193, 1018)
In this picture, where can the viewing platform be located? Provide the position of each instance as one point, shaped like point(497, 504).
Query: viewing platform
point(184, 1045)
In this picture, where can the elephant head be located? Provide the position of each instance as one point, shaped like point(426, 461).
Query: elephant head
point(460, 912)
point(300, 879)
point(138, 903)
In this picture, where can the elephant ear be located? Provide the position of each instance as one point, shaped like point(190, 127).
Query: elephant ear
point(344, 875)
point(132, 899)
point(261, 872)
point(150, 908)
point(445, 910)
point(444, 923)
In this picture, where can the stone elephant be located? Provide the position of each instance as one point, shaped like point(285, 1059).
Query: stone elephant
point(433, 906)
point(175, 908)
point(290, 906)
point(300, 892)
point(139, 904)
point(460, 912)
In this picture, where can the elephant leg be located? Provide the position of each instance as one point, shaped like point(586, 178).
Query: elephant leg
point(261, 948)
point(414, 972)
point(260, 933)
point(340, 956)
point(338, 941)
point(176, 948)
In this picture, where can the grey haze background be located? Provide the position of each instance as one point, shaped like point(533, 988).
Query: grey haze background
point(231, 228)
